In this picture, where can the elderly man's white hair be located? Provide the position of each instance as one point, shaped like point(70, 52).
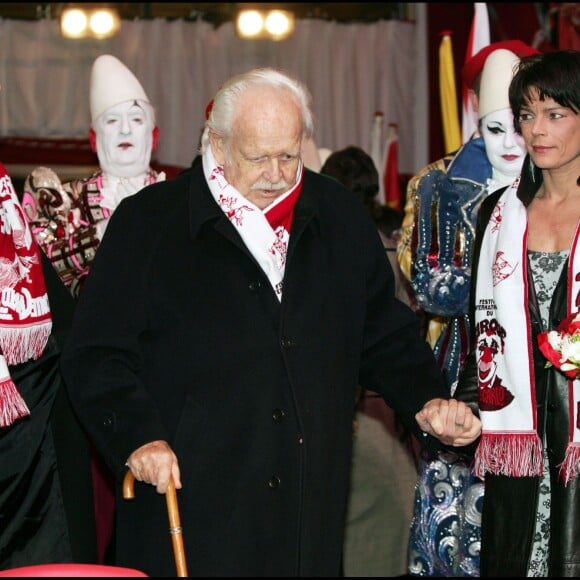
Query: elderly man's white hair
point(224, 103)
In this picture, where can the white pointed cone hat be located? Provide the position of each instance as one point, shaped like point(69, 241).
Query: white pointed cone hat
point(112, 83)
point(496, 77)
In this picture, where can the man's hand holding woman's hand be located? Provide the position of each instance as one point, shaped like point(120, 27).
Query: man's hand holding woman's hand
point(450, 420)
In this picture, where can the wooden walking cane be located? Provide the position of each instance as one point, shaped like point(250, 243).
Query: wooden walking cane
point(174, 520)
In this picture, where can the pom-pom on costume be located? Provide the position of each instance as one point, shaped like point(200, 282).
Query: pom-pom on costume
point(69, 219)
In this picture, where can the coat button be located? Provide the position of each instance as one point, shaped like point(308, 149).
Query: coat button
point(278, 415)
point(552, 407)
point(287, 343)
point(254, 286)
point(274, 482)
point(107, 422)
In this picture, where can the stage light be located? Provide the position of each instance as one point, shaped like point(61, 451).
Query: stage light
point(272, 24)
point(279, 24)
point(74, 23)
point(84, 21)
point(250, 23)
point(103, 23)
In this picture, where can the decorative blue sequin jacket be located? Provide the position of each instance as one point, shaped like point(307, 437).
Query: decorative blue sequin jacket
point(445, 204)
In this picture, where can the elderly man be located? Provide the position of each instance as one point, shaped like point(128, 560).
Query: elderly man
point(229, 316)
point(68, 220)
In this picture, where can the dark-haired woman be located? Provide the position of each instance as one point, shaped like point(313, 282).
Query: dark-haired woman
point(526, 280)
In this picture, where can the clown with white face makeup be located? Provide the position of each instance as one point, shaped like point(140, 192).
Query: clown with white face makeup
point(505, 149)
point(69, 219)
point(124, 138)
point(443, 200)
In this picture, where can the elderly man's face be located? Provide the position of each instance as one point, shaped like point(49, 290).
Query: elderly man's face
point(261, 158)
point(124, 138)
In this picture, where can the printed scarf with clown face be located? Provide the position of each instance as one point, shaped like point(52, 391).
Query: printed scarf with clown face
point(510, 444)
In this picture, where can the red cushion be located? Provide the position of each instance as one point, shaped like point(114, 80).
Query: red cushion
point(71, 570)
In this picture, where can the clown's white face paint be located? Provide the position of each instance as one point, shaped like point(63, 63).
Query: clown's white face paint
point(504, 147)
point(124, 138)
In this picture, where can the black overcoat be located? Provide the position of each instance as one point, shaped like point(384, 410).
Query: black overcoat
point(178, 335)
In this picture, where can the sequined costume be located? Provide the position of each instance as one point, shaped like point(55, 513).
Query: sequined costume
point(69, 219)
point(435, 254)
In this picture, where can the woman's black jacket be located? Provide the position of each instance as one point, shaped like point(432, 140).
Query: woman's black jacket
point(510, 503)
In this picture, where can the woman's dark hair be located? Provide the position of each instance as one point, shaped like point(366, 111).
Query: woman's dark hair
point(554, 75)
point(356, 170)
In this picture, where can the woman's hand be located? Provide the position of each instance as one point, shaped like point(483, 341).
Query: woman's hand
point(449, 420)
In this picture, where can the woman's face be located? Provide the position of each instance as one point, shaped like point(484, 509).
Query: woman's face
point(504, 147)
point(551, 132)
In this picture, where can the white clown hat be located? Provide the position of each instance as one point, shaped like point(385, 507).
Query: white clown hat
point(496, 77)
point(112, 83)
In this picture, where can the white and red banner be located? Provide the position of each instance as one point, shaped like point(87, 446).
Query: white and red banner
point(390, 170)
point(385, 155)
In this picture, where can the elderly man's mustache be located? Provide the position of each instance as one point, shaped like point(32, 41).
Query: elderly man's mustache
point(270, 186)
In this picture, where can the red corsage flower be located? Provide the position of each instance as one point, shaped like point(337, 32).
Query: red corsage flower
point(562, 346)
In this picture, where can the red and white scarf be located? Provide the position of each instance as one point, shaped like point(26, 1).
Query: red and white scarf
point(510, 444)
point(265, 232)
point(25, 321)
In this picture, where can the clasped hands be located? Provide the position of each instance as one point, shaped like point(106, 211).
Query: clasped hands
point(449, 420)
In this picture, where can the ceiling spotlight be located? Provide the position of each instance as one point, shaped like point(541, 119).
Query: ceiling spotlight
point(250, 23)
point(279, 24)
point(83, 21)
point(272, 24)
point(74, 23)
point(104, 23)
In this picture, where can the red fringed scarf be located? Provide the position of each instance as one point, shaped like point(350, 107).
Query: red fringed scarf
point(25, 321)
point(266, 233)
point(510, 444)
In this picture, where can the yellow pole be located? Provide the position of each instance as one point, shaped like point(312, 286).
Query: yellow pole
point(448, 95)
